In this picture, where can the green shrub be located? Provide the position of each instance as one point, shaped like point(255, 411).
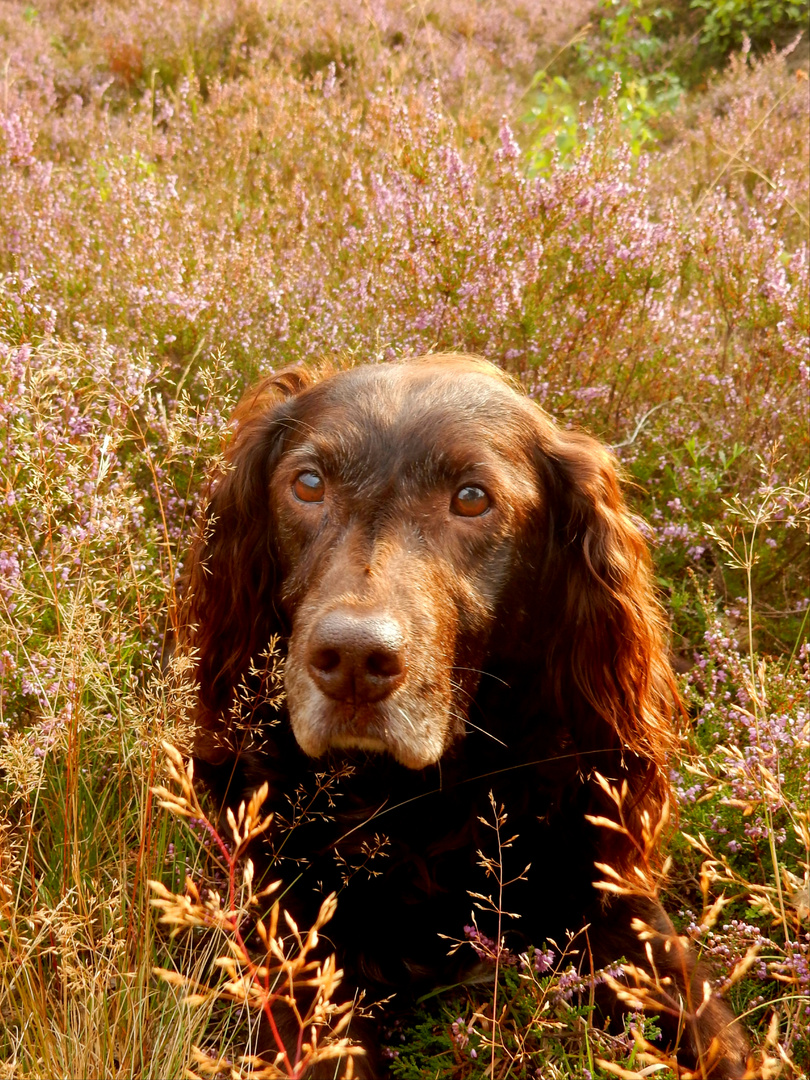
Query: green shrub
point(726, 23)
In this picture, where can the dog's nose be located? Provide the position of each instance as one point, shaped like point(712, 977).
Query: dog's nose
point(360, 657)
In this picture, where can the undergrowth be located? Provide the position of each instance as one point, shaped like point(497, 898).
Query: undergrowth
point(235, 187)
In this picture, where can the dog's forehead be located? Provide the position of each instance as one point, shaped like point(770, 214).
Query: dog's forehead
point(419, 408)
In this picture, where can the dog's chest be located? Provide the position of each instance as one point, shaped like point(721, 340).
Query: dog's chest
point(404, 858)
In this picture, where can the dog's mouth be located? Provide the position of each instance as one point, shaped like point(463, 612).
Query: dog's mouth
point(347, 725)
point(349, 741)
point(411, 728)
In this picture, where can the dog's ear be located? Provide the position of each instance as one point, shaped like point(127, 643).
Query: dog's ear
point(606, 647)
point(229, 611)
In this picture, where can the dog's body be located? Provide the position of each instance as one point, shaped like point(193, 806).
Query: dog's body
point(466, 607)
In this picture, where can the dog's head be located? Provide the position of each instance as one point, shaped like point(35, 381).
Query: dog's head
point(402, 524)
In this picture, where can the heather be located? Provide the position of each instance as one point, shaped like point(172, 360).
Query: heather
point(190, 200)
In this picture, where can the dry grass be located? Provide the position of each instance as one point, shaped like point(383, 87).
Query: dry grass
point(234, 187)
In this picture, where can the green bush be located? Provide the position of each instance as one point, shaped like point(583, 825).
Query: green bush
point(727, 22)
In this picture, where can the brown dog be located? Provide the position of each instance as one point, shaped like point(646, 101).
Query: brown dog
point(466, 605)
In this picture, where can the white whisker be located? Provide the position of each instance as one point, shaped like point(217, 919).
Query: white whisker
point(481, 671)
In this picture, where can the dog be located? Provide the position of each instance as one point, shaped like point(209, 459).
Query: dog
point(467, 616)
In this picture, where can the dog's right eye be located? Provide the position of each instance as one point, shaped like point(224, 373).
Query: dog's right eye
point(470, 501)
point(308, 487)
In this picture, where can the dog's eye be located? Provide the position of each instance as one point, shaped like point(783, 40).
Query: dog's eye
point(470, 501)
point(308, 487)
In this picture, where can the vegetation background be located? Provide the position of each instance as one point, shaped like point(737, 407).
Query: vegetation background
point(611, 202)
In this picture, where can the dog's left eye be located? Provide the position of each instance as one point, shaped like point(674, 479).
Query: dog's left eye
point(308, 487)
point(470, 501)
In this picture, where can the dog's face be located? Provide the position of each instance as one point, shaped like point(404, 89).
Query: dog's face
point(401, 500)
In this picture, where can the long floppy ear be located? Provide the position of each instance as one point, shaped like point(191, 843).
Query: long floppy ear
point(229, 612)
point(613, 681)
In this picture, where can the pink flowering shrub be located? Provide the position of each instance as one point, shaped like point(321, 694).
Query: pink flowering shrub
point(394, 232)
point(190, 200)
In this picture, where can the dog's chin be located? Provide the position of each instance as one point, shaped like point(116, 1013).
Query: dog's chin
point(369, 743)
point(320, 729)
point(410, 756)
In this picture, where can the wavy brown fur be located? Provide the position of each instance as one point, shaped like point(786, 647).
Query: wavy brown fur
point(466, 605)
